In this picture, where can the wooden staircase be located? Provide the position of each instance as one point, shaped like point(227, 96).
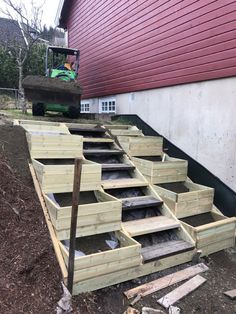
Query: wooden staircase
point(149, 225)
point(190, 202)
point(164, 234)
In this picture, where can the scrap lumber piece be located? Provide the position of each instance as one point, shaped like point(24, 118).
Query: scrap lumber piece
point(131, 310)
point(166, 281)
point(231, 294)
point(180, 292)
point(149, 310)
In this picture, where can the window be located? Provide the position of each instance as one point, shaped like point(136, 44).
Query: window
point(85, 107)
point(107, 105)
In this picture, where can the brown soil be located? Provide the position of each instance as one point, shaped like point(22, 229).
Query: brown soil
point(94, 244)
point(29, 273)
point(35, 82)
point(27, 282)
point(199, 220)
point(177, 187)
point(65, 199)
point(57, 161)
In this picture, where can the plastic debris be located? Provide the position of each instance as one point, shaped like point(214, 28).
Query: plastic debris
point(64, 304)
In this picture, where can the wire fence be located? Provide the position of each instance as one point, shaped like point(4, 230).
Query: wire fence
point(9, 98)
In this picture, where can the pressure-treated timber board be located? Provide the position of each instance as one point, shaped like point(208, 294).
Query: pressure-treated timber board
point(168, 170)
point(180, 292)
point(122, 183)
point(43, 127)
point(165, 249)
point(166, 281)
point(54, 145)
point(140, 202)
point(93, 218)
point(59, 178)
point(198, 200)
point(149, 225)
point(89, 266)
point(131, 273)
point(97, 140)
point(215, 236)
point(117, 130)
point(231, 294)
point(141, 145)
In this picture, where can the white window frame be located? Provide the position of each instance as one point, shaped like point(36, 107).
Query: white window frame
point(107, 105)
point(84, 104)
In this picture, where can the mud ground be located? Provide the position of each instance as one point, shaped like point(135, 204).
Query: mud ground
point(29, 273)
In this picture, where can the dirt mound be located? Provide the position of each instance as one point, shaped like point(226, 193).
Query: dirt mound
point(29, 273)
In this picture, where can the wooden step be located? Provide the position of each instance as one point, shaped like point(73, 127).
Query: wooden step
point(123, 183)
point(150, 225)
point(98, 140)
point(165, 249)
point(117, 166)
point(140, 202)
point(100, 152)
point(89, 130)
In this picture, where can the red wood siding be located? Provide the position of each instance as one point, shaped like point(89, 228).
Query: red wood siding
point(142, 44)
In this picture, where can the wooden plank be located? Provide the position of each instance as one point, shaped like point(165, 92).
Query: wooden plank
point(107, 268)
point(54, 239)
point(231, 294)
point(180, 292)
point(217, 246)
point(150, 225)
point(141, 145)
point(123, 183)
point(128, 274)
point(165, 249)
point(118, 166)
point(97, 140)
point(100, 152)
point(140, 202)
point(166, 281)
point(94, 129)
point(90, 230)
point(128, 248)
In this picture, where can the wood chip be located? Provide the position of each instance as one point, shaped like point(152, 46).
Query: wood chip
point(180, 292)
point(231, 294)
point(131, 310)
point(149, 310)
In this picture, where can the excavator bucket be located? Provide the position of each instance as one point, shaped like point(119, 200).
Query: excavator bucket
point(44, 89)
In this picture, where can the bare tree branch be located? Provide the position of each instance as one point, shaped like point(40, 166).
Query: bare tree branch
point(29, 25)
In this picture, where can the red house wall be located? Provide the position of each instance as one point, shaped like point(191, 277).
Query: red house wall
point(142, 44)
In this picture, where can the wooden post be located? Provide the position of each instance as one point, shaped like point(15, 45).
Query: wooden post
point(73, 225)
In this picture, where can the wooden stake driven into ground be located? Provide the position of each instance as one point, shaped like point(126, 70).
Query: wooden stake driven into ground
point(74, 214)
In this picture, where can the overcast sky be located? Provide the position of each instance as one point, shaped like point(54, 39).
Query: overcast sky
point(49, 9)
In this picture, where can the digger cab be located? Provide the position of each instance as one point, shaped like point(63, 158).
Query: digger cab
point(57, 92)
point(62, 63)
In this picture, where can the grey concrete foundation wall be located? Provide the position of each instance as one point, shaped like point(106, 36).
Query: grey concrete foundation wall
point(199, 118)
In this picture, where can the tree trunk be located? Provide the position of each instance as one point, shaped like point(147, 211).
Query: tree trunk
point(22, 101)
